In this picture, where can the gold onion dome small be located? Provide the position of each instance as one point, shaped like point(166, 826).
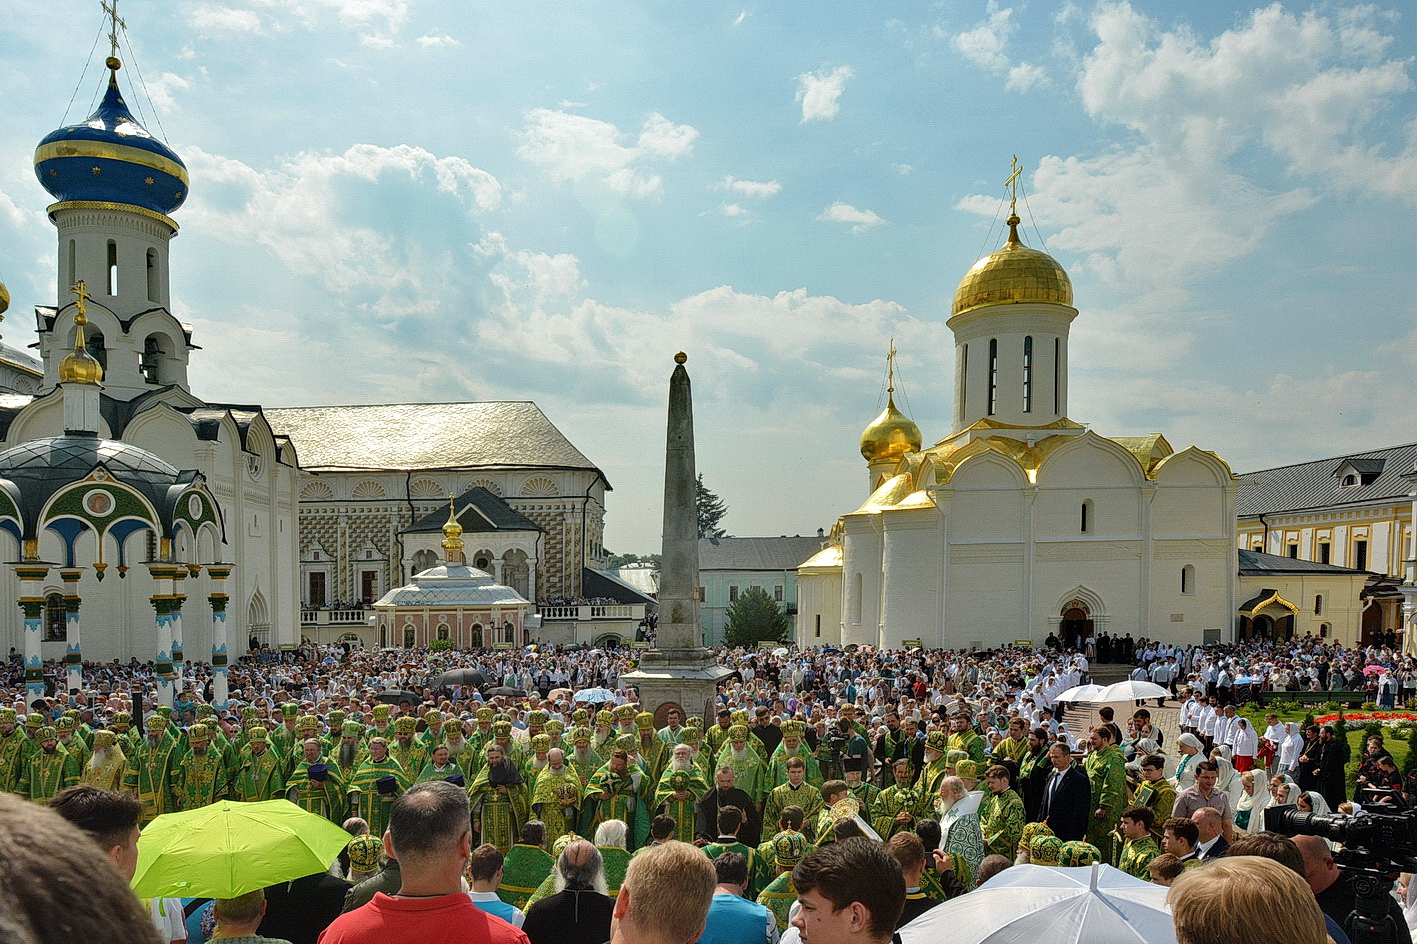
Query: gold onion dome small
point(4, 298)
point(79, 366)
point(1013, 275)
point(891, 435)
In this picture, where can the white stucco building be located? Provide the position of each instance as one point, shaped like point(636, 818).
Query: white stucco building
point(1021, 522)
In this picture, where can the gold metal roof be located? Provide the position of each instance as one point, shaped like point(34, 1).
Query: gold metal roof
point(890, 435)
point(1012, 275)
point(829, 556)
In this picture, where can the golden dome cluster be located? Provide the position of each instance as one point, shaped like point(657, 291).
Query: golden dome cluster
point(1012, 275)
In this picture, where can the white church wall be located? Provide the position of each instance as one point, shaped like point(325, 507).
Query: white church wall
point(911, 577)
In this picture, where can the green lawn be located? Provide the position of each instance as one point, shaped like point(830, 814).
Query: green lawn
point(1394, 741)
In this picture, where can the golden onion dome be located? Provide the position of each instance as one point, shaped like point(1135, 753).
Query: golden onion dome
point(1012, 275)
point(890, 436)
point(4, 298)
point(79, 366)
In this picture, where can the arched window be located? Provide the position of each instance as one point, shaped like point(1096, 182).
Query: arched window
point(408, 636)
point(111, 271)
point(150, 364)
point(443, 631)
point(1323, 630)
point(73, 262)
point(54, 617)
point(964, 378)
point(1028, 375)
point(477, 635)
point(993, 375)
point(1188, 579)
point(1088, 522)
point(1318, 604)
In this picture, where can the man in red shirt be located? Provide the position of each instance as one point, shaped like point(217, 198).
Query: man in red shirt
point(431, 837)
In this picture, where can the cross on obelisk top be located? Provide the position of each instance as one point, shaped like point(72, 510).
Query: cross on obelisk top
point(1011, 183)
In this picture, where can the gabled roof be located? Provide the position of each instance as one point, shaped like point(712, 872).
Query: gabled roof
point(754, 554)
point(1313, 484)
point(504, 434)
point(1258, 564)
point(478, 510)
point(599, 583)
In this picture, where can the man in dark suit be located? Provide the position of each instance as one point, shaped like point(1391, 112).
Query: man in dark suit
point(1067, 796)
point(724, 794)
point(1209, 826)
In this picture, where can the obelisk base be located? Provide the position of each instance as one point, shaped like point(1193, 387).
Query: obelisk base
point(686, 679)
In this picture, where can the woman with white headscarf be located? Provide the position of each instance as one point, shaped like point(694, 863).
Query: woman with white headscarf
point(1246, 743)
point(1292, 747)
point(1228, 780)
point(1254, 799)
point(1312, 801)
point(1190, 746)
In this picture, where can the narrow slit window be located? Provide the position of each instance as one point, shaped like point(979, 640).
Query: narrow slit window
point(993, 375)
point(1028, 375)
point(112, 268)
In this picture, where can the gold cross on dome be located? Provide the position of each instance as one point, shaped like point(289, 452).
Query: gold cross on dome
point(82, 291)
point(115, 24)
point(890, 367)
point(1012, 184)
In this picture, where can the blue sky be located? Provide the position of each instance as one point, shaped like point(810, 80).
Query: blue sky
point(397, 200)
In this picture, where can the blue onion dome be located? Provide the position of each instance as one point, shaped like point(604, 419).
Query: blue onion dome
point(110, 158)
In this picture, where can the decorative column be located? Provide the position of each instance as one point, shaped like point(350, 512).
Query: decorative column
point(218, 599)
point(73, 657)
point(162, 602)
point(32, 574)
point(179, 576)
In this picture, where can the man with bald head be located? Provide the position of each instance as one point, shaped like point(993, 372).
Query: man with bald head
point(1333, 887)
point(579, 912)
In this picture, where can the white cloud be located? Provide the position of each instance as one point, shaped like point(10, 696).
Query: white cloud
point(741, 17)
point(431, 42)
point(758, 190)
point(735, 211)
point(819, 92)
point(315, 13)
point(986, 46)
point(209, 18)
point(902, 169)
point(376, 40)
point(860, 220)
point(577, 148)
point(161, 91)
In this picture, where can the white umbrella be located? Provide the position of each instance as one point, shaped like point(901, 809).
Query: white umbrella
point(1026, 904)
point(1132, 690)
point(1088, 692)
point(780, 651)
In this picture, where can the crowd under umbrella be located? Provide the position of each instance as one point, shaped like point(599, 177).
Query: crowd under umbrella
point(1088, 692)
point(505, 690)
point(1027, 904)
point(229, 848)
point(1131, 690)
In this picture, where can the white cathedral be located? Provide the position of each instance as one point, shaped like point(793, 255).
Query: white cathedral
point(1022, 523)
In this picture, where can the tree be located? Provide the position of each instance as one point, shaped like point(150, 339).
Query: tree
point(755, 618)
point(711, 510)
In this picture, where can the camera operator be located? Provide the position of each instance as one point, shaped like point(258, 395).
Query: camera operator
point(1333, 886)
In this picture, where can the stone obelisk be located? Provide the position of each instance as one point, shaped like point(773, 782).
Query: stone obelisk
point(679, 672)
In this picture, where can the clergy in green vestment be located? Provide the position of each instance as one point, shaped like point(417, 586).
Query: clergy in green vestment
point(68, 730)
point(937, 766)
point(440, 766)
point(792, 746)
point(500, 800)
point(1107, 770)
point(315, 786)
point(1156, 792)
point(961, 835)
point(1138, 848)
point(349, 751)
point(654, 753)
point(556, 795)
point(749, 770)
point(1001, 813)
point(149, 770)
point(524, 868)
point(285, 739)
point(797, 791)
point(964, 738)
point(405, 748)
point(788, 849)
point(12, 746)
point(898, 806)
point(681, 787)
point(257, 775)
point(730, 821)
point(370, 792)
point(49, 769)
point(200, 777)
point(584, 756)
point(460, 749)
point(616, 791)
point(108, 765)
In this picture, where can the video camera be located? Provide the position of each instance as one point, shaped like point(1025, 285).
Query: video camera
point(1376, 847)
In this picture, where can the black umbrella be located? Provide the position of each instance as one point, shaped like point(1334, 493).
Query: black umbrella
point(474, 677)
point(393, 696)
point(505, 690)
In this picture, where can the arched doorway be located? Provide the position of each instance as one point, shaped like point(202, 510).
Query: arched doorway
point(1076, 624)
point(258, 618)
point(1372, 624)
point(1267, 616)
point(477, 642)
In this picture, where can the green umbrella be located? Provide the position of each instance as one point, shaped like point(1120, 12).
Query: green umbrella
point(231, 848)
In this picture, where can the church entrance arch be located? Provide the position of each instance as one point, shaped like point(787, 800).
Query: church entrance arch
point(258, 618)
point(1267, 616)
point(1372, 624)
point(1076, 624)
point(609, 640)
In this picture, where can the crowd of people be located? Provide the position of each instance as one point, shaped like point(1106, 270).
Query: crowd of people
point(948, 766)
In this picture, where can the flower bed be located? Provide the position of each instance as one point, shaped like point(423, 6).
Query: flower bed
point(1361, 719)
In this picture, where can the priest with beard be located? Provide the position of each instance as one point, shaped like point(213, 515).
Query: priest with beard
point(556, 795)
point(726, 793)
point(349, 754)
point(583, 756)
point(258, 770)
point(961, 837)
point(108, 765)
point(681, 786)
point(366, 799)
point(460, 750)
point(620, 790)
